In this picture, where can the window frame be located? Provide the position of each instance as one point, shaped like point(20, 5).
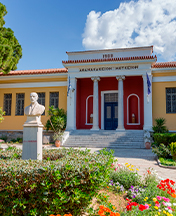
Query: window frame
point(21, 111)
point(54, 100)
point(42, 100)
point(9, 104)
point(171, 110)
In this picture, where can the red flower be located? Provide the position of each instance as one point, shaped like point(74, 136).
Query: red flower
point(129, 207)
point(142, 207)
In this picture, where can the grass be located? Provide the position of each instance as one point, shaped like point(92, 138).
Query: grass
point(167, 162)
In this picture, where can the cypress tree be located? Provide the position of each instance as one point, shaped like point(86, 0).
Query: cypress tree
point(10, 49)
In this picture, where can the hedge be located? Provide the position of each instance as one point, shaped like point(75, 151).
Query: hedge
point(64, 185)
point(165, 138)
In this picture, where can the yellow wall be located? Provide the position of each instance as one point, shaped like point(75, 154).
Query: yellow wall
point(159, 103)
point(16, 122)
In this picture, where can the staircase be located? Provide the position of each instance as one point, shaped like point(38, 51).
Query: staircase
point(130, 139)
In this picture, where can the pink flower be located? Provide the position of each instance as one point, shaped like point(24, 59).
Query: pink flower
point(159, 197)
point(164, 203)
point(116, 169)
point(158, 205)
point(166, 199)
point(169, 207)
point(147, 206)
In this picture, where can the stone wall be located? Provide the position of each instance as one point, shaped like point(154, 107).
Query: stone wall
point(9, 135)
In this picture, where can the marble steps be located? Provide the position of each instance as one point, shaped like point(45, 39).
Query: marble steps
point(105, 139)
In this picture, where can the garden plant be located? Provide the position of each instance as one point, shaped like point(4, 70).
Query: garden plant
point(56, 122)
point(164, 145)
point(73, 182)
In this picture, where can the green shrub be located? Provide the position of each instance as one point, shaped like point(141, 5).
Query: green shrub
point(173, 150)
point(167, 162)
point(56, 122)
point(65, 185)
point(4, 137)
point(160, 126)
point(18, 140)
point(165, 138)
point(1, 115)
point(161, 151)
point(125, 177)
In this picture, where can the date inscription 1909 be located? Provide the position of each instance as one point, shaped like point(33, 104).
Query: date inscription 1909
point(107, 56)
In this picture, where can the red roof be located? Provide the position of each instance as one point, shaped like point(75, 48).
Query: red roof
point(110, 59)
point(164, 65)
point(41, 71)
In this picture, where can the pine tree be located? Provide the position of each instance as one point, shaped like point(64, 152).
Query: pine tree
point(10, 49)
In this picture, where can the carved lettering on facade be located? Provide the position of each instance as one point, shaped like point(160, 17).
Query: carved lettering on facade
point(108, 68)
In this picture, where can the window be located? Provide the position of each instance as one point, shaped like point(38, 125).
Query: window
point(7, 104)
point(170, 100)
point(20, 104)
point(54, 99)
point(41, 99)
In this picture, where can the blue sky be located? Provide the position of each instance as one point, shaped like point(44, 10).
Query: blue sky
point(47, 29)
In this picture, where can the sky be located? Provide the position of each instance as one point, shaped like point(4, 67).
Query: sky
point(46, 29)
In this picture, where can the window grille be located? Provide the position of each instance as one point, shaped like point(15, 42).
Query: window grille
point(7, 104)
point(111, 97)
point(41, 99)
point(54, 99)
point(20, 104)
point(170, 100)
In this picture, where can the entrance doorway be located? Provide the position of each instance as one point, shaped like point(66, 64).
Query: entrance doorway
point(110, 111)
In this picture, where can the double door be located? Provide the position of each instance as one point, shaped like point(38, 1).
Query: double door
point(111, 111)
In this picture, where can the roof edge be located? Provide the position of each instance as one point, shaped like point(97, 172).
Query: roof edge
point(118, 49)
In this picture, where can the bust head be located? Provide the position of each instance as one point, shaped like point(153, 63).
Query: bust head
point(34, 109)
point(33, 97)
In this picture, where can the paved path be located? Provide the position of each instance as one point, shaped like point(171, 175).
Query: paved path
point(141, 158)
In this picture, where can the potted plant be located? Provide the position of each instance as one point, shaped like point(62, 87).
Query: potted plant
point(57, 137)
point(147, 139)
point(57, 123)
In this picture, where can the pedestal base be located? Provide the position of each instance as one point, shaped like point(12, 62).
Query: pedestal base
point(32, 139)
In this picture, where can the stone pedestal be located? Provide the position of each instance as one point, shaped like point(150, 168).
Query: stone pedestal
point(32, 138)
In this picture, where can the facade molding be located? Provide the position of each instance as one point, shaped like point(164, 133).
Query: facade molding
point(34, 84)
point(138, 72)
point(138, 110)
point(87, 109)
point(33, 76)
point(144, 61)
point(163, 70)
point(164, 79)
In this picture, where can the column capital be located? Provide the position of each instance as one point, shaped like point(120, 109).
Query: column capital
point(73, 78)
point(120, 77)
point(144, 76)
point(95, 78)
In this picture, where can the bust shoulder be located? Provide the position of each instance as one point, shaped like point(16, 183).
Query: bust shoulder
point(33, 110)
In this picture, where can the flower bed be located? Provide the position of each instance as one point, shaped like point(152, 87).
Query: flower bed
point(70, 182)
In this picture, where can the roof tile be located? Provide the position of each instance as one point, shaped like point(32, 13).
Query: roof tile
point(110, 59)
point(164, 65)
point(41, 71)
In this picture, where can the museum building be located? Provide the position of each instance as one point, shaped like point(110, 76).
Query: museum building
point(109, 89)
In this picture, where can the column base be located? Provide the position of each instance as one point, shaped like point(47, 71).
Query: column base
point(120, 129)
point(147, 127)
point(95, 128)
point(70, 128)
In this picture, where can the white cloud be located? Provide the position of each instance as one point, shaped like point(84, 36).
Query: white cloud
point(141, 23)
